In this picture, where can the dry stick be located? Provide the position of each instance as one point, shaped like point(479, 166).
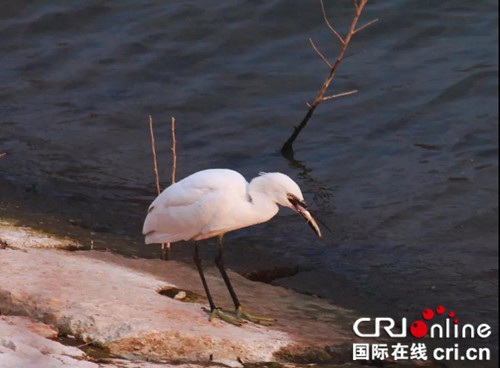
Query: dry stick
point(341, 94)
point(155, 162)
point(164, 252)
point(320, 54)
point(287, 149)
point(166, 249)
point(174, 153)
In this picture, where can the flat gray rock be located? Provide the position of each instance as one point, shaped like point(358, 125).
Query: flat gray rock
point(112, 302)
point(24, 343)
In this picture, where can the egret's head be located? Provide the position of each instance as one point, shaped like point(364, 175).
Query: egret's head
point(287, 193)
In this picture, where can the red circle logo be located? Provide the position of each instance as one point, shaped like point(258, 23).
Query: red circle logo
point(418, 329)
point(428, 314)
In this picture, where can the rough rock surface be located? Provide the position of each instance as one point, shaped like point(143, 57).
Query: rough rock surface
point(21, 237)
point(114, 303)
point(118, 308)
point(23, 343)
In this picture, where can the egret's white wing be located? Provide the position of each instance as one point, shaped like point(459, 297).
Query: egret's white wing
point(176, 214)
point(186, 209)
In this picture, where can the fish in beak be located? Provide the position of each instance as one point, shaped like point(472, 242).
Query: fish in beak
point(301, 208)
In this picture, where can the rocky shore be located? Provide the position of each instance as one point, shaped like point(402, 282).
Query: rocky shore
point(89, 308)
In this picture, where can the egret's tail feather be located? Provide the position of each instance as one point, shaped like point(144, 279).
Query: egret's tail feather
point(154, 237)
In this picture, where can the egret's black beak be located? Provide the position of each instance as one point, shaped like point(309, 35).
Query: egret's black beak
point(301, 208)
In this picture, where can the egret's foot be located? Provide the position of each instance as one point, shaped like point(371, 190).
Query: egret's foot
point(220, 314)
point(241, 315)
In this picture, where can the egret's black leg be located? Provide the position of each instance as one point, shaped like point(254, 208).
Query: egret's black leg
point(220, 265)
point(197, 261)
point(238, 310)
point(214, 311)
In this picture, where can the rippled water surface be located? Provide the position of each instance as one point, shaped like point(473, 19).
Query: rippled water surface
point(404, 172)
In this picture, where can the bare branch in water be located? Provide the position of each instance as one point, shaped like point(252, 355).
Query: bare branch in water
point(341, 94)
point(325, 18)
point(320, 54)
point(287, 149)
point(366, 25)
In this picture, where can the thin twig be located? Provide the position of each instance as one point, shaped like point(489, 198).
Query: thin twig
point(340, 94)
point(153, 148)
point(165, 248)
point(320, 54)
point(174, 153)
point(287, 149)
point(366, 25)
point(329, 25)
point(2, 154)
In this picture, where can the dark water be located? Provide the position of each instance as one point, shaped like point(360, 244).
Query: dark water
point(404, 172)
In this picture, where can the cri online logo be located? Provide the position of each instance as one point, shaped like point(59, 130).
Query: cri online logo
point(420, 328)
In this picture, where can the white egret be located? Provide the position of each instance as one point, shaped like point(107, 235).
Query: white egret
point(213, 202)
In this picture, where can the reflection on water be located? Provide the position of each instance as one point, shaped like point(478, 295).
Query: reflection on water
point(404, 172)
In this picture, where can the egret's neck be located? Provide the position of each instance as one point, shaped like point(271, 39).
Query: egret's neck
point(261, 205)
